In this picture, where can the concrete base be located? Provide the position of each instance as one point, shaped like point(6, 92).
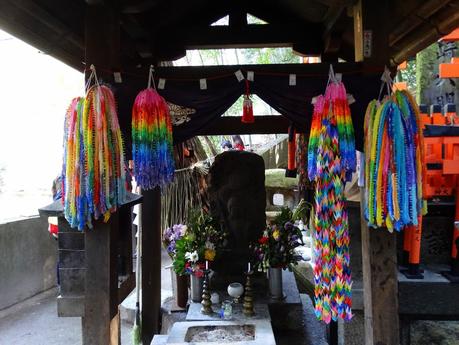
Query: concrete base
point(432, 296)
point(263, 331)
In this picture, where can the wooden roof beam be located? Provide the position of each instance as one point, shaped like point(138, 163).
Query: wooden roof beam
point(264, 124)
point(253, 36)
point(440, 24)
point(421, 13)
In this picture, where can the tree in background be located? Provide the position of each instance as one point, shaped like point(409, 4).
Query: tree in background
point(426, 71)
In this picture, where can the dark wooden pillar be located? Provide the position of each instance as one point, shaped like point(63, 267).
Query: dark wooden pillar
point(379, 257)
point(380, 285)
point(100, 324)
point(100, 283)
point(151, 264)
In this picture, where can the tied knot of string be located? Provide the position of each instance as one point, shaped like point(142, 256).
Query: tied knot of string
point(92, 78)
point(151, 78)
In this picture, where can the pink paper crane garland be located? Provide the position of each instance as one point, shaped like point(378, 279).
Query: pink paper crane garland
point(331, 161)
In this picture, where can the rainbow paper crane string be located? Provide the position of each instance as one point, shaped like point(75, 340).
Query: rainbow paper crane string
point(152, 149)
point(331, 161)
point(393, 162)
point(94, 170)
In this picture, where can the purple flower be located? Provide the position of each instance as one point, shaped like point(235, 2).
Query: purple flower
point(171, 247)
point(288, 226)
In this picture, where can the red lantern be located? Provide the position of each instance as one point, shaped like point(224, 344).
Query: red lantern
point(247, 106)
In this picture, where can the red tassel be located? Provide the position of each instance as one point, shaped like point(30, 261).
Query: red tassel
point(247, 106)
point(291, 162)
point(247, 111)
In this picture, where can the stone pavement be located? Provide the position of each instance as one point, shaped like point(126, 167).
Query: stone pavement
point(35, 322)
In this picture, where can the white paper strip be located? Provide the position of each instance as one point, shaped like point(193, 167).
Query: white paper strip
point(161, 83)
point(203, 84)
point(239, 75)
point(117, 77)
point(292, 80)
point(250, 75)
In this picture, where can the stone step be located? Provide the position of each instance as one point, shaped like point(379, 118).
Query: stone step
point(315, 331)
point(127, 307)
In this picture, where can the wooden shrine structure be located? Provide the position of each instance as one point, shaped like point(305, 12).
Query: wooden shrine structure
point(123, 36)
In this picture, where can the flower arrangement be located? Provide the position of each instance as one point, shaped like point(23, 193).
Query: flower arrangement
point(171, 236)
point(276, 247)
point(199, 243)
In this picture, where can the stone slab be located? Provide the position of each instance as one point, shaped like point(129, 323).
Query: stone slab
point(263, 331)
point(432, 296)
point(159, 339)
point(72, 281)
point(56, 209)
point(194, 313)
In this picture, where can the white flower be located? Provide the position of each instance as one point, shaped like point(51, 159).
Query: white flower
point(210, 245)
point(193, 257)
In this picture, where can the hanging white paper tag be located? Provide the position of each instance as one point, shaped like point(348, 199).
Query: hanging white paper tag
point(161, 83)
point(249, 76)
point(239, 75)
point(203, 84)
point(292, 80)
point(338, 77)
point(117, 77)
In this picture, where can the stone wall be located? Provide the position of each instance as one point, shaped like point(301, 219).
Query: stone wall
point(28, 256)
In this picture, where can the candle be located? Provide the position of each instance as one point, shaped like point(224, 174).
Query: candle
point(248, 268)
point(207, 265)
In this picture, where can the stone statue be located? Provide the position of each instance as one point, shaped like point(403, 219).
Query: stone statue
point(238, 199)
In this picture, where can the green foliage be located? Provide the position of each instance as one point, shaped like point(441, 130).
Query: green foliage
point(276, 247)
point(426, 61)
point(409, 76)
point(302, 211)
point(283, 217)
point(179, 260)
point(203, 236)
point(270, 55)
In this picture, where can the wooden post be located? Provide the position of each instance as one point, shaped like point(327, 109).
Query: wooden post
point(96, 319)
point(151, 264)
point(100, 322)
point(380, 284)
point(371, 34)
point(379, 260)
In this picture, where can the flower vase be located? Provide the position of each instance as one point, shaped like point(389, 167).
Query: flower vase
point(196, 288)
point(275, 283)
point(180, 289)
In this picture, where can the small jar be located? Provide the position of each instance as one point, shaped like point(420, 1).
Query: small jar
point(227, 309)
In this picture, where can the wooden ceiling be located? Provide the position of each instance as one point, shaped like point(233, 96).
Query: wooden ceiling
point(157, 30)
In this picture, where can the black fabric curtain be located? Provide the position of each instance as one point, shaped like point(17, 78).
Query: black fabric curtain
point(294, 102)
